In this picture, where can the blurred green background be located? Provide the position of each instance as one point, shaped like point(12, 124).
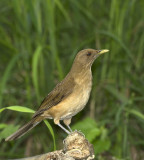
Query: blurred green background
point(38, 42)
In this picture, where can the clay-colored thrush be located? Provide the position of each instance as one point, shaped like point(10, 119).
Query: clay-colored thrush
point(68, 97)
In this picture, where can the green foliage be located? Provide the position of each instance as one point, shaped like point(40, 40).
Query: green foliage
point(35, 76)
point(95, 134)
point(6, 76)
point(136, 113)
point(39, 39)
point(9, 129)
point(51, 131)
point(2, 125)
point(19, 109)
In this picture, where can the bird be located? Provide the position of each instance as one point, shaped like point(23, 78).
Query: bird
point(69, 96)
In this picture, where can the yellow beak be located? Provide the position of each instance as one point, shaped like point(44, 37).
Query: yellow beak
point(103, 51)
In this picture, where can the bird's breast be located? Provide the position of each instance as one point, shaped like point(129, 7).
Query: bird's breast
point(83, 92)
point(78, 99)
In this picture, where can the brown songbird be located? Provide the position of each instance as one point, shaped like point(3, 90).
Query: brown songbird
point(68, 97)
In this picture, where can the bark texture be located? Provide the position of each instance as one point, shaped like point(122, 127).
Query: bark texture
point(76, 147)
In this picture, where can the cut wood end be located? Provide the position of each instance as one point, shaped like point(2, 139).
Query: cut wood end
point(76, 146)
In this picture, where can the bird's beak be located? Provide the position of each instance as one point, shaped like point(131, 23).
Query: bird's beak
point(103, 51)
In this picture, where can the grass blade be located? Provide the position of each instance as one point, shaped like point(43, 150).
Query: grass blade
point(136, 113)
point(6, 76)
point(28, 110)
point(35, 61)
point(51, 131)
point(18, 108)
point(117, 94)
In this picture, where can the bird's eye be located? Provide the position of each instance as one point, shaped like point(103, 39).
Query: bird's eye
point(89, 53)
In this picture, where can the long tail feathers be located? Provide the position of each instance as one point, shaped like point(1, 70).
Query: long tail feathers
point(22, 130)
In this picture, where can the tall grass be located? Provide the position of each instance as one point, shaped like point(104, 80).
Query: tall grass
point(38, 42)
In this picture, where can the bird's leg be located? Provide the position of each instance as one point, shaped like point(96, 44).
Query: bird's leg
point(67, 123)
point(56, 121)
point(63, 128)
point(69, 128)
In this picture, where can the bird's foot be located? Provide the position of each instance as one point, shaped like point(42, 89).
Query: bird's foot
point(79, 131)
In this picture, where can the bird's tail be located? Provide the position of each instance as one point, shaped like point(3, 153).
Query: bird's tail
point(23, 130)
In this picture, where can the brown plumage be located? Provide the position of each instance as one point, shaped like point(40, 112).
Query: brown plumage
point(68, 97)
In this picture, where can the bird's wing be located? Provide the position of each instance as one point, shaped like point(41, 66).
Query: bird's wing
point(58, 94)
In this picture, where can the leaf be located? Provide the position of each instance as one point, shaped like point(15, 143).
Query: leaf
point(89, 127)
point(19, 109)
point(136, 113)
point(28, 110)
point(50, 8)
point(35, 75)
point(101, 145)
point(120, 42)
point(3, 125)
point(117, 94)
point(85, 124)
point(63, 10)
point(6, 76)
point(93, 133)
point(8, 131)
point(51, 131)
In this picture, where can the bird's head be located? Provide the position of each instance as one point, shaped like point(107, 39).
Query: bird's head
point(86, 57)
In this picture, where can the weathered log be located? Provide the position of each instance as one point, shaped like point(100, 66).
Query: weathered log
point(76, 147)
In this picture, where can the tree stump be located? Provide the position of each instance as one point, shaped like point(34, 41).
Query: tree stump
point(76, 147)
